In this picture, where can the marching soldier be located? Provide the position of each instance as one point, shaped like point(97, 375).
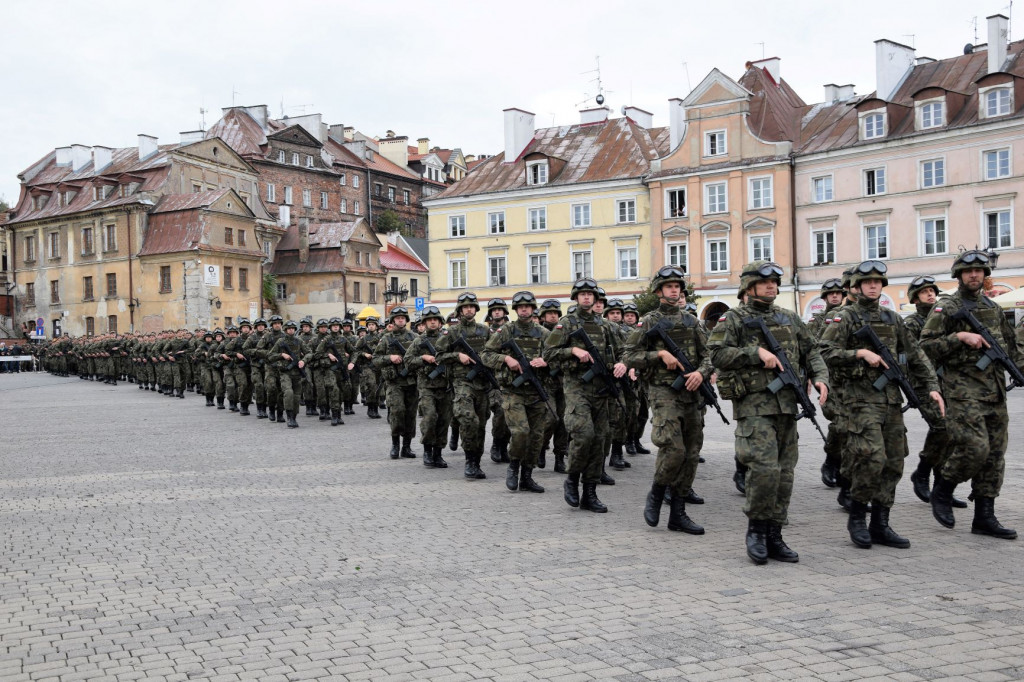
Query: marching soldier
point(256, 365)
point(369, 376)
point(289, 353)
point(638, 417)
point(271, 374)
point(832, 292)
point(435, 398)
point(619, 421)
point(550, 313)
point(496, 318)
point(389, 357)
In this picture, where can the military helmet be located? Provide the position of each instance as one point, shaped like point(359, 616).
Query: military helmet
point(218, 332)
point(847, 274)
point(322, 322)
point(233, 328)
point(495, 303)
point(869, 269)
point(571, 309)
point(614, 304)
point(334, 321)
point(831, 286)
point(919, 284)
point(630, 308)
point(207, 333)
point(975, 258)
point(276, 318)
point(550, 305)
point(669, 273)
point(583, 284)
point(602, 295)
point(467, 298)
point(398, 311)
point(241, 321)
point(758, 271)
point(347, 322)
point(360, 328)
point(291, 324)
point(306, 321)
point(259, 321)
point(524, 298)
point(373, 319)
point(432, 312)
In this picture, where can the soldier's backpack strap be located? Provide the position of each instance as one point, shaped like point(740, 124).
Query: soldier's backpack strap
point(782, 318)
point(888, 316)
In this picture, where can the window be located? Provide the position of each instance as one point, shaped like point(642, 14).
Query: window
point(676, 203)
point(54, 291)
point(391, 194)
point(373, 292)
point(228, 277)
point(997, 102)
point(287, 194)
point(714, 143)
point(323, 200)
point(111, 284)
point(581, 215)
point(267, 248)
point(196, 188)
point(761, 248)
point(355, 207)
point(282, 291)
point(822, 188)
point(931, 115)
point(30, 248)
point(582, 264)
point(30, 293)
point(414, 287)
point(496, 271)
point(675, 254)
point(873, 126)
point(359, 257)
point(165, 279)
point(714, 198)
point(280, 156)
point(457, 226)
point(457, 273)
point(761, 192)
point(538, 219)
point(229, 236)
point(309, 161)
point(496, 222)
point(53, 245)
point(284, 215)
point(378, 189)
point(627, 260)
point(718, 255)
point(538, 268)
point(877, 241)
point(997, 227)
point(997, 164)
point(87, 291)
point(406, 196)
point(88, 248)
point(112, 324)
point(90, 326)
point(343, 180)
point(933, 173)
point(537, 173)
point(295, 158)
point(109, 238)
point(241, 237)
point(824, 247)
point(934, 233)
point(344, 205)
point(355, 181)
point(874, 181)
point(307, 198)
point(243, 279)
point(625, 210)
point(271, 193)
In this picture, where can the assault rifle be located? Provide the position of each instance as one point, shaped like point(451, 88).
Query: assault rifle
point(893, 372)
point(339, 365)
point(994, 352)
point(478, 366)
point(294, 364)
point(787, 377)
point(527, 375)
point(393, 342)
point(439, 370)
point(706, 391)
point(598, 368)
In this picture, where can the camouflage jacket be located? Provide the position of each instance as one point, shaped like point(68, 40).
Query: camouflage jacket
point(387, 347)
point(641, 350)
point(558, 349)
point(423, 369)
point(915, 322)
point(816, 325)
point(530, 337)
point(476, 335)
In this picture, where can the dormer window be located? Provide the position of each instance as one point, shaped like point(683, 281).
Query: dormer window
point(714, 143)
point(69, 197)
point(295, 158)
point(537, 173)
point(280, 156)
point(872, 126)
point(309, 162)
point(997, 102)
point(931, 115)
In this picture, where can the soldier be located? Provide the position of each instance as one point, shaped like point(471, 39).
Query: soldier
point(231, 345)
point(832, 292)
point(435, 398)
point(876, 441)
point(203, 358)
point(766, 431)
point(525, 411)
point(389, 357)
point(619, 417)
point(496, 318)
point(271, 374)
point(216, 367)
point(288, 353)
point(369, 376)
point(586, 395)
point(638, 417)
point(242, 368)
point(319, 366)
point(347, 383)
point(334, 355)
point(256, 362)
point(550, 313)
point(976, 395)
point(471, 386)
point(308, 337)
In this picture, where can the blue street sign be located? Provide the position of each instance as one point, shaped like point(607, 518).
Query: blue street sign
point(420, 302)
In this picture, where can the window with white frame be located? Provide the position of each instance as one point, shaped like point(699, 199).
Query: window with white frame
point(761, 192)
point(581, 215)
point(355, 182)
point(931, 115)
point(714, 143)
point(582, 263)
point(284, 215)
point(718, 255)
point(715, 200)
point(287, 194)
point(406, 196)
point(538, 268)
point(997, 229)
point(933, 173)
point(821, 188)
point(496, 222)
point(280, 156)
point(391, 194)
point(676, 254)
point(626, 256)
point(457, 226)
point(824, 247)
point(537, 173)
point(933, 236)
point(355, 207)
point(309, 161)
point(761, 247)
point(497, 275)
point(997, 102)
point(295, 158)
point(997, 163)
point(307, 197)
point(457, 272)
point(342, 180)
point(872, 126)
point(675, 203)
point(876, 241)
point(344, 205)
point(323, 200)
point(537, 219)
point(625, 211)
point(874, 182)
point(53, 245)
point(272, 193)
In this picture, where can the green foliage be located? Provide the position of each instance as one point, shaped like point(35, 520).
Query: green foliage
point(270, 289)
point(389, 221)
point(4, 206)
point(646, 300)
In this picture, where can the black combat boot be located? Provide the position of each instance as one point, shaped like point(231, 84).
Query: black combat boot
point(311, 410)
point(691, 497)
point(324, 412)
point(843, 498)
point(640, 449)
point(957, 502)
point(678, 520)
point(942, 501)
point(922, 480)
point(615, 461)
point(371, 412)
point(777, 547)
point(503, 451)
point(560, 463)
point(243, 410)
point(857, 525)
point(336, 418)
point(209, 400)
point(280, 415)
point(652, 510)
point(542, 459)
point(739, 479)
point(233, 406)
point(605, 478)
point(880, 531)
point(472, 467)
point(220, 402)
point(630, 447)
point(453, 441)
point(348, 409)
point(428, 456)
point(571, 489)
point(495, 452)
point(141, 387)
point(181, 394)
point(396, 446)
point(407, 449)
point(757, 541)
point(512, 476)
point(828, 474)
point(292, 424)
point(589, 499)
point(526, 482)
point(261, 411)
point(477, 456)
point(985, 521)
point(439, 462)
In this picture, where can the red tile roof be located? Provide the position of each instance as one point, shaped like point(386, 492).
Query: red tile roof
point(321, 235)
point(187, 202)
point(397, 259)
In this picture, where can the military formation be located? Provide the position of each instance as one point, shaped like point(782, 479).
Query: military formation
point(585, 383)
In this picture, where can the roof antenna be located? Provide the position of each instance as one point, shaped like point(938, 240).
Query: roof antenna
point(686, 70)
point(599, 97)
point(913, 39)
point(762, 50)
point(233, 93)
point(974, 21)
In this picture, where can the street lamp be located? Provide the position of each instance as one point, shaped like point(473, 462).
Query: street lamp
point(398, 294)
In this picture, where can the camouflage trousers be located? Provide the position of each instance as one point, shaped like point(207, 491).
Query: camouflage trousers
point(230, 387)
point(213, 381)
point(272, 385)
point(875, 447)
point(470, 408)
point(324, 398)
point(586, 420)
point(978, 440)
point(556, 427)
point(291, 390)
point(435, 410)
point(767, 446)
point(331, 393)
point(259, 391)
point(678, 433)
point(836, 431)
point(402, 409)
point(368, 380)
point(499, 428)
point(936, 443)
point(243, 384)
point(527, 418)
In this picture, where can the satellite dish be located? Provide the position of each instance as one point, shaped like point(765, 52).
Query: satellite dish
point(968, 49)
point(599, 99)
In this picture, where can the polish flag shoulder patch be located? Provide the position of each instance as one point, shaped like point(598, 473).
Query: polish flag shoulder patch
point(722, 318)
point(640, 323)
point(938, 309)
point(558, 326)
point(837, 319)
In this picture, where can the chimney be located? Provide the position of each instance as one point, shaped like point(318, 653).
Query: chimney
point(595, 115)
point(470, 158)
point(101, 158)
point(644, 119)
point(147, 146)
point(924, 60)
point(63, 156)
point(772, 66)
point(80, 157)
point(303, 240)
point(676, 122)
point(259, 114)
point(350, 133)
point(997, 39)
point(311, 123)
point(336, 132)
point(423, 145)
point(192, 136)
point(395, 149)
point(518, 132)
point(893, 62)
point(838, 93)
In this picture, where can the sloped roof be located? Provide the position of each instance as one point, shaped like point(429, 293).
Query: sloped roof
point(775, 108)
point(187, 202)
point(321, 235)
point(241, 132)
point(179, 223)
point(420, 246)
point(397, 259)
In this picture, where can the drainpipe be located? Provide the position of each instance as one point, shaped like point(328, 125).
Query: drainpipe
point(131, 281)
point(792, 213)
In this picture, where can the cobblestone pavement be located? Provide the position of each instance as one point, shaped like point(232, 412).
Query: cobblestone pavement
point(149, 537)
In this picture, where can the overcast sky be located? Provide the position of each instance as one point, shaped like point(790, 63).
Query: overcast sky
point(100, 72)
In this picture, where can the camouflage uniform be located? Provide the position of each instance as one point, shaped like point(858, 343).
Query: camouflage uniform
point(256, 364)
point(290, 373)
point(271, 374)
point(401, 386)
point(500, 433)
point(435, 397)
point(369, 376)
